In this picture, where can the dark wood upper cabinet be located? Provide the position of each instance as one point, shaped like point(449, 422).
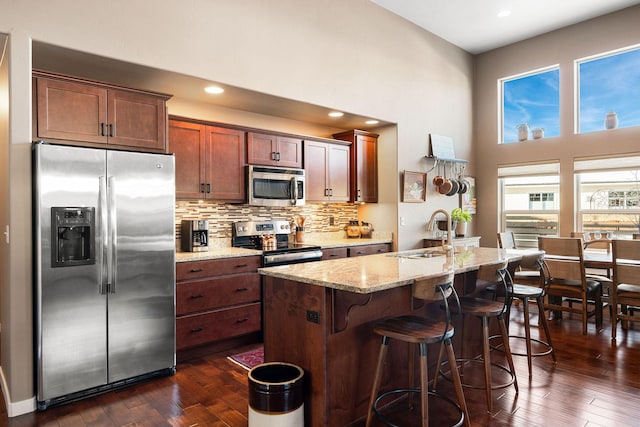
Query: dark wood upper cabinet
point(364, 164)
point(326, 171)
point(274, 150)
point(87, 113)
point(210, 161)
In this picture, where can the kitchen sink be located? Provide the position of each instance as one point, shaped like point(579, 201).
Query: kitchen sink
point(418, 254)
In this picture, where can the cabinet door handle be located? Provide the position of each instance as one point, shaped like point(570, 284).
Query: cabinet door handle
point(102, 126)
point(197, 296)
point(197, 329)
point(202, 187)
point(331, 192)
point(277, 156)
point(359, 193)
point(208, 188)
point(112, 130)
point(244, 319)
point(195, 270)
point(242, 289)
point(273, 155)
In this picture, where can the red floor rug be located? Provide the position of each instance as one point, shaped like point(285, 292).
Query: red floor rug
point(248, 359)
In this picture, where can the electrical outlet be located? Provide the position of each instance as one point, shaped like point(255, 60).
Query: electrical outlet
point(402, 221)
point(332, 220)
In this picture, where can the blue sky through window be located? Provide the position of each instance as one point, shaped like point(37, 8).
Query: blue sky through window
point(611, 83)
point(534, 100)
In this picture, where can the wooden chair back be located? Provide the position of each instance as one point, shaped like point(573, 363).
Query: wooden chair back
point(626, 262)
point(427, 288)
point(564, 257)
point(506, 240)
point(625, 289)
point(636, 236)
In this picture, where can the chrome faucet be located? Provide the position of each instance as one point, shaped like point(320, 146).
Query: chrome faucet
point(431, 223)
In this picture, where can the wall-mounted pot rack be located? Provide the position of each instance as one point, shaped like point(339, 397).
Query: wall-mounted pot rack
point(445, 162)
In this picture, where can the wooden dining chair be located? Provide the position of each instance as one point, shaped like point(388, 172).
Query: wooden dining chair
point(566, 280)
point(636, 236)
point(625, 290)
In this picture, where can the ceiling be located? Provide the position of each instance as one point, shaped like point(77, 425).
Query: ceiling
point(474, 25)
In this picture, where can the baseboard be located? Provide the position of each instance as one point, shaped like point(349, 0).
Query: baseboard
point(15, 409)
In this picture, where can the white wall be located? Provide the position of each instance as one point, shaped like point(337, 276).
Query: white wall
point(349, 55)
point(614, 31)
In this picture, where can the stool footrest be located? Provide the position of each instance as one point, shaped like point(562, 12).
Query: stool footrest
point(482, 387)
point(414, 390)
point(500, 348)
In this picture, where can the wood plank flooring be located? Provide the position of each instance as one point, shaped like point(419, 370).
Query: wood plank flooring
point(594, 383)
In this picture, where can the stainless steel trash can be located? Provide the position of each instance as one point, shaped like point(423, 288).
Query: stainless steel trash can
point(276, 395)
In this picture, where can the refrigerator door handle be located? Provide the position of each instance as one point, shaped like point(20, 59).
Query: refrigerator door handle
point(113, 232)
point(103, 247)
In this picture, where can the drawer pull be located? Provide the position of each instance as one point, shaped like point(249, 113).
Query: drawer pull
point(333, 255)
point(244, 319)
point(195, 270)
point(242, 265)
point(197, 329)
point(197, 296)
point(242, 289)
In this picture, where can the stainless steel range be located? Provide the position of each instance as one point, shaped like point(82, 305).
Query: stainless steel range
point(272, 237)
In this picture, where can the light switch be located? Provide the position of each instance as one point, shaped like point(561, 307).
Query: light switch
point(402, 222)
point(6, 234)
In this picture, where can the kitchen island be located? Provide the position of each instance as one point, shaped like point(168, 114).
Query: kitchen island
point(319, 316)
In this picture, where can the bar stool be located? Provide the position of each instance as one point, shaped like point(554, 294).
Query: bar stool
point(488, 274)
point(525, 293)
point(420, 331)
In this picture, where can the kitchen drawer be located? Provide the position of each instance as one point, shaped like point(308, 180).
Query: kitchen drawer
point(206, 294)
point(216, 267)
point(334, 253)
point(369, 249)
point(217, 325)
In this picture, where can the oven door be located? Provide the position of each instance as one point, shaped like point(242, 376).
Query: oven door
point(284, 258)
point(270, 186)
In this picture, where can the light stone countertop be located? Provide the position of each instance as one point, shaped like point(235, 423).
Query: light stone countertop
point(373, 273)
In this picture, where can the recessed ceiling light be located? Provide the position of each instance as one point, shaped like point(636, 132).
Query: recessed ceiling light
point(371, 122)
point(504, 13)
point(215, 90)
point(336, 114)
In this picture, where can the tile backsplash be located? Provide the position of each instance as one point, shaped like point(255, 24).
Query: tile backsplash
point(221, 215)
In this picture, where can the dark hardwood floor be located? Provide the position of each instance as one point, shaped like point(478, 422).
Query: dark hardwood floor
point(594, 383)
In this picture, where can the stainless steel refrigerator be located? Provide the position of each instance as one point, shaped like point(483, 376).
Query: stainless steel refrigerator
point(104, 269)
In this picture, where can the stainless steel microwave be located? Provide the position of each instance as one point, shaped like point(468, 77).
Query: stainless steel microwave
point(272, 186)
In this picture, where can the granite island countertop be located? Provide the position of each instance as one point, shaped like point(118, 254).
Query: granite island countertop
point(373, 273)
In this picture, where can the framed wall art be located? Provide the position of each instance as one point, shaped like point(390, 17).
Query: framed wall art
point(414, 187)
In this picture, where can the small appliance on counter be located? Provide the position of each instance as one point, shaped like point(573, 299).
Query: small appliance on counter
point(194, 235)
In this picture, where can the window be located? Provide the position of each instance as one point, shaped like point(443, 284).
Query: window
point(529, 198)
point(609, 195)
point(609, 89)
point(534, 100)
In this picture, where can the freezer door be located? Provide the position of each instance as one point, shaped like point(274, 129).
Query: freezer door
point(71, 337)
point(141, 306)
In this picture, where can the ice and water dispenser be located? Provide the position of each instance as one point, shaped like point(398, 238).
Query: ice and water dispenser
point(72, 236)
point(194, 235)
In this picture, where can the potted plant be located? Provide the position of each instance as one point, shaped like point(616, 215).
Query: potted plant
point(462, 217)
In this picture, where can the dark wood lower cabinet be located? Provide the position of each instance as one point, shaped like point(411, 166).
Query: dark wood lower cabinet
point(217, 302)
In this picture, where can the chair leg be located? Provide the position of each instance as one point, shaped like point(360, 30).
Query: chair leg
point(507, 350)
point(411, 364)
point(487, 361)
point(455, 376)
point(438, 366)
point(424, 385)
point(377, 378)
point(545, 327)
point(527, 332)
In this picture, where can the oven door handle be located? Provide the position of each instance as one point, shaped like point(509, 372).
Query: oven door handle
point(292, 257)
